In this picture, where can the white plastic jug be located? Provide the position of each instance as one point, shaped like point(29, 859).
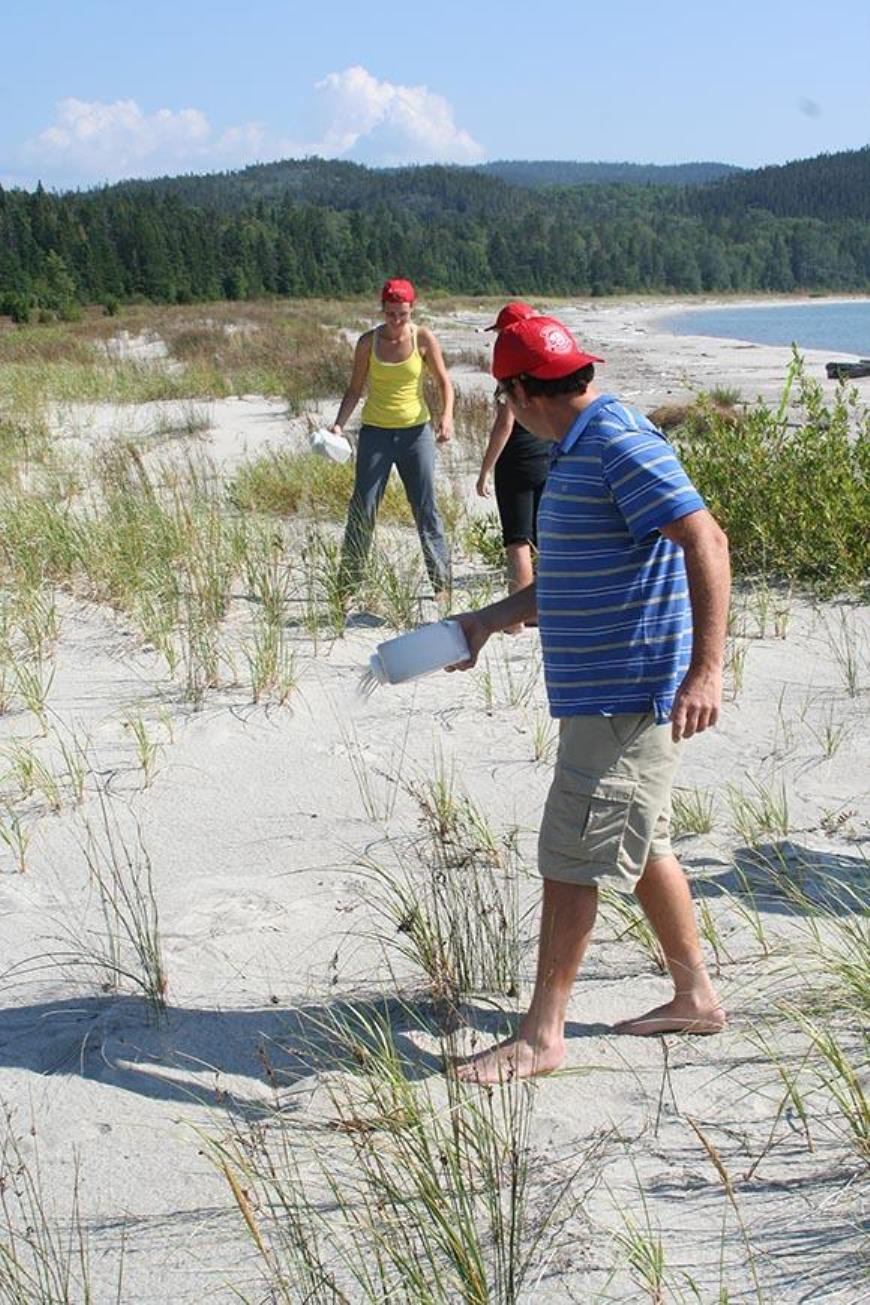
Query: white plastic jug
point(329, 445)
point(428, 648)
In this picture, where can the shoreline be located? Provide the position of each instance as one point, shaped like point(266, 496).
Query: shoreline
point(648, 365)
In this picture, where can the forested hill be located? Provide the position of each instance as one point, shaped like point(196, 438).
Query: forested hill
point(350, 185)
point(332, 183)
point(317, 227)
point(830, 186)
point(559, 172)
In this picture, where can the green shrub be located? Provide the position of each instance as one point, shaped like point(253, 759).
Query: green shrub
point(789, 486)
point(483, 538)
point(17, 306)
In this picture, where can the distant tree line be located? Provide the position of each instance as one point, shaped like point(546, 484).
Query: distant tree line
point(312, 227)
point(561, 172)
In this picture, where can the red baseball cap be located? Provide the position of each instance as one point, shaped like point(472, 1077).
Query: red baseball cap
point(515, 311)
point(398, 291)
point(538, 346)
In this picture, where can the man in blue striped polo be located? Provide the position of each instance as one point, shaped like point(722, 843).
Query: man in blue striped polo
point(631, 598)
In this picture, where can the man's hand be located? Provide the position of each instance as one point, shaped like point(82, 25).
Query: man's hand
point(696, 706)
point(476, 634)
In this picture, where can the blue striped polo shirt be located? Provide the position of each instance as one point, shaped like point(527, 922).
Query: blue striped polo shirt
point(613, 600)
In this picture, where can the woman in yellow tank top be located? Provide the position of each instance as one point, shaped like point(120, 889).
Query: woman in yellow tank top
point(389, 364)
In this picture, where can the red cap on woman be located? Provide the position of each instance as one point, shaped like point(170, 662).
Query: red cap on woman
point(398, 291)
point(515, 311)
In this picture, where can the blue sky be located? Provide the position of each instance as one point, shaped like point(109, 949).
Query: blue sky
point(93, 90)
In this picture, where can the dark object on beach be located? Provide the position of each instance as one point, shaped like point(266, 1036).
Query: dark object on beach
point(843, 371)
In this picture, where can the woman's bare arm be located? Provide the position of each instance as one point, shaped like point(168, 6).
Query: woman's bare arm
point(434, 360)
point(498, 438)
point(357, 384)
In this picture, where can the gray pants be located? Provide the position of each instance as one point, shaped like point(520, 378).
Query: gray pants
point(412, 449)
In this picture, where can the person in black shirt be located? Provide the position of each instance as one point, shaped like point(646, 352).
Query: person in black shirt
point(521, 461)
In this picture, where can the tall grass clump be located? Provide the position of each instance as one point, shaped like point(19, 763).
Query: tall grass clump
point(24, 443)
point(323, 595)
point(450, 899)
point(124, 951)
point(393, 585)
point(262, 349)
point(130, 947)
point(410, 1192)
point(791, 486)
point(45, 1258)
point(156, 544)
point(482, 537)
point(302, 484)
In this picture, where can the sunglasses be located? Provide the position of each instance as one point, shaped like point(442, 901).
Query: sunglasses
point(503, 392)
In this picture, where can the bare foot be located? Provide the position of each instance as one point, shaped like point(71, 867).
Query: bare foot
point(677, 1016)
point(515, 1058)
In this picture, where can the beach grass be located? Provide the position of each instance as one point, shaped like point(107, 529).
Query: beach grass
point(413, 1192)
point(46, 1256)
point(279, 349)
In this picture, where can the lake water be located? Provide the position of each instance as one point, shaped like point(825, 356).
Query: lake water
point(839, 328)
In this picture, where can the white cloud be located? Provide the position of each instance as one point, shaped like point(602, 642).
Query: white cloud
point(387, 124)
point(116, 139)
point(358, 117)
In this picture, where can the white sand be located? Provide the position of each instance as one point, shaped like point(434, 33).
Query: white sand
point(254, 824)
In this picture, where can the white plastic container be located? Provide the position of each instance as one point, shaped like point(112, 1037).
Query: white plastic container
point(329, 445)
point(421, 651)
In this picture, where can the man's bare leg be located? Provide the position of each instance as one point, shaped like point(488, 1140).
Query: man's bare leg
point(663, 892)
point(567, 917)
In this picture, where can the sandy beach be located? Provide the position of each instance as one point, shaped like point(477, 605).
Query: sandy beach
point(259, 825)
point(649, 365)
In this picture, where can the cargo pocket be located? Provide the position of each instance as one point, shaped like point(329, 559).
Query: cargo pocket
point(606, 804)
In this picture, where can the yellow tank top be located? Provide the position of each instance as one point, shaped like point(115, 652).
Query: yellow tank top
point(395, 392)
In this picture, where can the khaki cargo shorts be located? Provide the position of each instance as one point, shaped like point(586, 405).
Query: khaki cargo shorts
point(609, 806)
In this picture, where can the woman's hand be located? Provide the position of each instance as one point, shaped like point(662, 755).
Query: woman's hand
point(445, 430)
point(482, 486)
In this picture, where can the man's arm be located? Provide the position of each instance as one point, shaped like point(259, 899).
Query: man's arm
point(478, 626)
point(705, 547)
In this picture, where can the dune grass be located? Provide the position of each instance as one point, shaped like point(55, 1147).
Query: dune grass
point(408, 1193)
point(46, 1257)
point(449, 902)
point(288, 484)
point(279, 349)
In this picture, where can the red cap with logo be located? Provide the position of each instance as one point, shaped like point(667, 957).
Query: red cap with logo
point(538, 346)
point(515, 311)
point(398, 291)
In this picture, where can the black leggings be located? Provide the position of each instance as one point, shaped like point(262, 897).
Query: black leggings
point(517, 495)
